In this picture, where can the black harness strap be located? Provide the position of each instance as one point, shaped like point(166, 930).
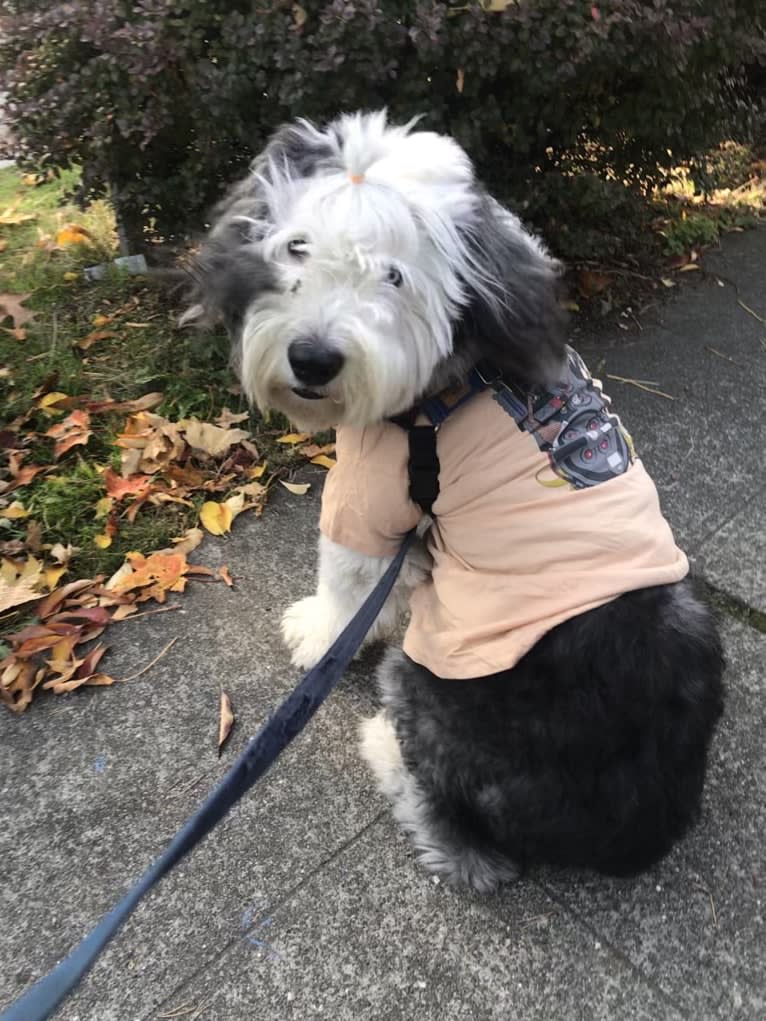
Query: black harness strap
point(423, 466)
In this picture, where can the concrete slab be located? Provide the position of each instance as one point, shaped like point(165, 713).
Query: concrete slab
point(705, 446)
point(372, 937)
point(93, 786)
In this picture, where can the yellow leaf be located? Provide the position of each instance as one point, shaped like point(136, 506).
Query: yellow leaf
point(103, 541)
point(688, 268)
point(324, 460)
point(15, 511)
point(236, 503)
point(101, 320)
point(69, 276)
point(299, 488)
point(52, 576)
point(293, 438)
point(216, 517)
point(255, 473)
point(104, 506)
point(47, 402)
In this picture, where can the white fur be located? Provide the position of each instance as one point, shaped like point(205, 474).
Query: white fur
point(346, 578)
point(416, 188)
point(455, 863)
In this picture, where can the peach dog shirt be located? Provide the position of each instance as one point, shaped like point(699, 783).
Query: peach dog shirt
point(515, 549)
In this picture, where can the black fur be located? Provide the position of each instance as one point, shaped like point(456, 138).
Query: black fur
point(228, 273)
point(590, 752)
point(523, 335)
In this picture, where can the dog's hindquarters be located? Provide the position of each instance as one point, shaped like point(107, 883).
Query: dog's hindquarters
point(590, 752)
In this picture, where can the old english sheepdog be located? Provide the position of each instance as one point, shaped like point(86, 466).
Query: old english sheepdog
point(559, 680)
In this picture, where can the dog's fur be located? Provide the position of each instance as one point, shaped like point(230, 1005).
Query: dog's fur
point(591, 750)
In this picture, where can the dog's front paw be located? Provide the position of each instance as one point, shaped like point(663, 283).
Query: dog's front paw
point(309, 627)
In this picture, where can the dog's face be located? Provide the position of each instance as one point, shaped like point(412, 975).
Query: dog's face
point(360, 267)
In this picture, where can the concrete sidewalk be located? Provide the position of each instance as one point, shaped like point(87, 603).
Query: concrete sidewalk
point(306, 903)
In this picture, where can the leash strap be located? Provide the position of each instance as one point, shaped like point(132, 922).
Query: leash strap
point(40, 1001)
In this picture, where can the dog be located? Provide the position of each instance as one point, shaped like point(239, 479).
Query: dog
point(560, 680)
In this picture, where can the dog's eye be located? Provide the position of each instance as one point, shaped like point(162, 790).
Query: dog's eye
point(298, 248)
point(394, 277)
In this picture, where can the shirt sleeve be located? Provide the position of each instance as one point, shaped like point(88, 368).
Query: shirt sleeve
point(365, 503)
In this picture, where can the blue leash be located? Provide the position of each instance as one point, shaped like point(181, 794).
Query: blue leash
point(39, 1002)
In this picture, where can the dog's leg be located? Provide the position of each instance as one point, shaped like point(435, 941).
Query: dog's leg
point(441, 848)
point(346, 578)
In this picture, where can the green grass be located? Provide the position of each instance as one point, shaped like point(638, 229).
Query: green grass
point(189, 367)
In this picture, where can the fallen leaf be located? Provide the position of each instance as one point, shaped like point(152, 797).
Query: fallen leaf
point(225, 721)
point(293, 438)
point(324, 461)
point(15, 511)
point(74, 429)
point(226, 576)
point(216, 517)
point(63, 554)
point(228, 418)
point(145, 403)
point(299, 16)
point(33, 538)
point(312, 450)
point(590, 283)
point(104, 506)
point(256, 472)
point(189, 541)
point(10, 218)
point(118, 487)
point(101, 320)
point(667, 282)
point(103, 541)
point(298, 488)
point(53, 576)
point(11, 307)
point(460, 80)
point(23, 591)
point(56, 401)
point(208, 438)
point(93, 337)
point(69, 276)
point(73, 234)
point(688, 268)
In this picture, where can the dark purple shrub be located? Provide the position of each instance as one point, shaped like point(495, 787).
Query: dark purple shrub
point(162, 102)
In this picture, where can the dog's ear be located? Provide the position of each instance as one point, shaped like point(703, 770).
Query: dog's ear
point(229, 271)
point(514, 317)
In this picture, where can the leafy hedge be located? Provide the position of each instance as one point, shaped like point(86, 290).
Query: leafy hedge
point(164, 101)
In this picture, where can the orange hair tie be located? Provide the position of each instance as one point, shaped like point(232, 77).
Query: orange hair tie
point(356, 178)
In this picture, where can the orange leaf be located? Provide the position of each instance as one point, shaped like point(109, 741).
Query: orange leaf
point(74, 429)
point(73, 234)
point(118, 487)
point(226, 576)
point(94, 336)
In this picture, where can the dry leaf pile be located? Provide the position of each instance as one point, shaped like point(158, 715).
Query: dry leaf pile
point(60, 651)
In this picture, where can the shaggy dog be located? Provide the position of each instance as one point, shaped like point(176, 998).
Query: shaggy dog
point(559, 681)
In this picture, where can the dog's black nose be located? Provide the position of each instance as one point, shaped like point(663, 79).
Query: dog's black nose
point(313, 361)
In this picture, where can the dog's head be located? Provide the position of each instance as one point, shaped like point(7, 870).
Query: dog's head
point(361, 266)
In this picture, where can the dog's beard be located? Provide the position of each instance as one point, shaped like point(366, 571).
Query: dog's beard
point(389, 361)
